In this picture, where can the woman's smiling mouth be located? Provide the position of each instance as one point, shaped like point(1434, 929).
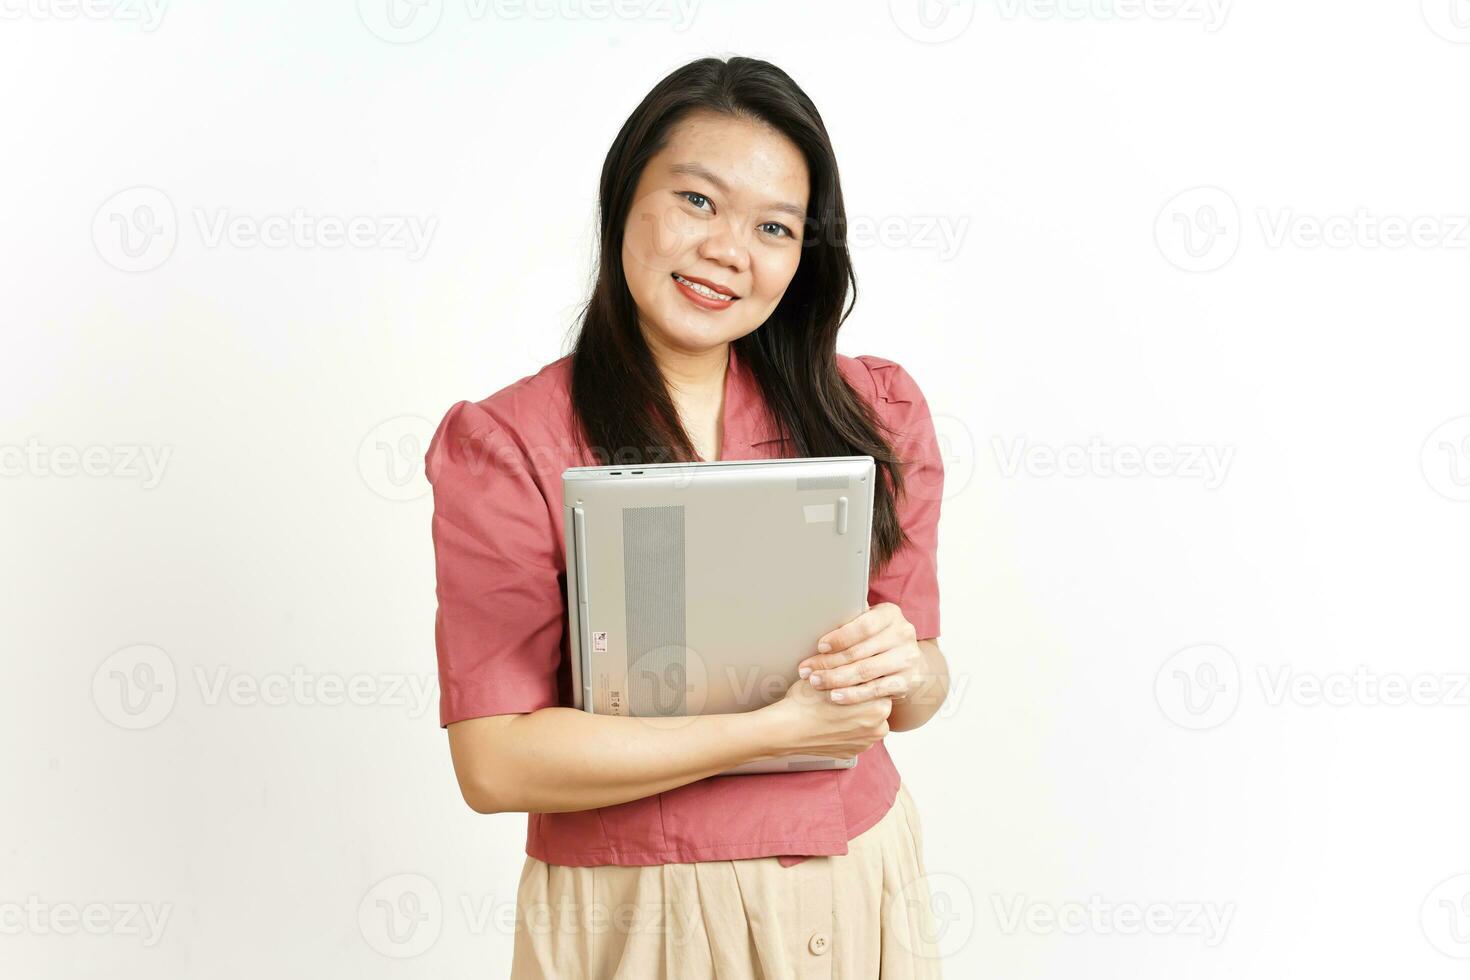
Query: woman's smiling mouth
point(703, 293)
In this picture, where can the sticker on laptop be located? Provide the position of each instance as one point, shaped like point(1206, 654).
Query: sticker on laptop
point(599, 642)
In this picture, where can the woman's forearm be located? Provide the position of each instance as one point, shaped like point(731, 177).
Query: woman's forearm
point(558, 758)
point(920, 705)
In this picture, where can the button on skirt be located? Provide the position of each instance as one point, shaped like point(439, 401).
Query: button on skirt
point(856, 916)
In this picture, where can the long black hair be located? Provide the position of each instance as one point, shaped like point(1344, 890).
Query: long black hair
point(620, 398)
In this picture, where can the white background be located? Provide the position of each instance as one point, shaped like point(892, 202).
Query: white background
point(1131, 194)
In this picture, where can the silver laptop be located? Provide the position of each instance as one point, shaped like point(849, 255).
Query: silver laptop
point(696, 588)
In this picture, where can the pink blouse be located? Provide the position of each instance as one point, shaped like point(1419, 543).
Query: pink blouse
point(501, 629)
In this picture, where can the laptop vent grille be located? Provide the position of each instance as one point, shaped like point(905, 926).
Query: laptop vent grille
point(653, 595)
point(805, 766)
point(822, 483)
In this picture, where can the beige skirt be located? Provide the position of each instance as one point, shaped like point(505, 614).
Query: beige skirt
point(854, 916)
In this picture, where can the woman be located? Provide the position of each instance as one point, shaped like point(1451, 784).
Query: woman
point(710, 334)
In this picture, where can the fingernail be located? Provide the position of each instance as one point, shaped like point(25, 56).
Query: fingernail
point(816, 680)
point(838, 695)
point(823, 647)
point(803, 671)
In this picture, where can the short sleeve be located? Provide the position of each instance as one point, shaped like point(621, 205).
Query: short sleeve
point(911, 579)
point(498, 629)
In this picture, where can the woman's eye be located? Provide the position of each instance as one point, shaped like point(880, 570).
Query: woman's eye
point(779, 229)
point(694, 198)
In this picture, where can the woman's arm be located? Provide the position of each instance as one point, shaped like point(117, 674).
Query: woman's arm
point(910, 712)
point(560, 758)
point(557, 758)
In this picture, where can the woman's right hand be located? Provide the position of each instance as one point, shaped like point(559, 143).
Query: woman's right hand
point(808, 722)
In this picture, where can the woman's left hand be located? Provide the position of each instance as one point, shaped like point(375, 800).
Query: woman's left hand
point(876, 655)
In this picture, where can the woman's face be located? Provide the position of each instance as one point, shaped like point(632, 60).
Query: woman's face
point(722, 206)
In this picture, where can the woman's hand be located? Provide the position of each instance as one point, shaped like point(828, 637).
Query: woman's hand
point(876, 655)
point(807, 722)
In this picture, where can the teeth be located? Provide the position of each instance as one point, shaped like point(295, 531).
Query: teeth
point(701, 289)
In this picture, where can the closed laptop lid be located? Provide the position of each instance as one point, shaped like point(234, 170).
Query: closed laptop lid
point(696, 588)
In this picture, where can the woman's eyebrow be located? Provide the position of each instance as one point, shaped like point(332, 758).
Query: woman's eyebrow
point(700, 170)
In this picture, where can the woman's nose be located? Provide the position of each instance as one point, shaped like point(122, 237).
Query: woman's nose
point(724, 245)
